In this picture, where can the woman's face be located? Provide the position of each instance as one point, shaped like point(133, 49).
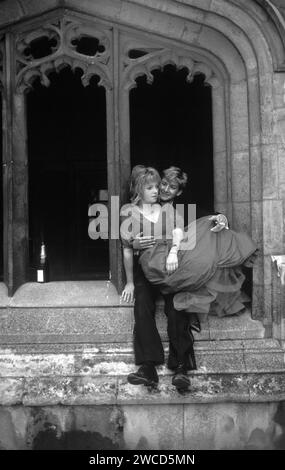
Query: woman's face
point(169, 189)
point(150, 193)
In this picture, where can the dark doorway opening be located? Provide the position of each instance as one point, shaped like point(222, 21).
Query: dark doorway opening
point(1, 192)
point(171, 125)
point(67, 174)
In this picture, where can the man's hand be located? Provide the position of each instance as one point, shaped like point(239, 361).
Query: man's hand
point(128, 292)
point(141, 243)
point(171, 262)
point(221, 223)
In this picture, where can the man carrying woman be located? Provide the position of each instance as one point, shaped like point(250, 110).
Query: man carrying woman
point(146, 187)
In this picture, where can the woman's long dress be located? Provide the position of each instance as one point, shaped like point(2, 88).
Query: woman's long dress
point(209, 276)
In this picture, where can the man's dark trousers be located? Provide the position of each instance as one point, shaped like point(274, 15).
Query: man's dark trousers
point(147, 341)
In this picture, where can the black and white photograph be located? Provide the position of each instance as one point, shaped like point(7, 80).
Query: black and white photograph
point(142, 241)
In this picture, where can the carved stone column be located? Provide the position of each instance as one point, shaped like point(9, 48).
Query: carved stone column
point(15, 176)
point(278, 289)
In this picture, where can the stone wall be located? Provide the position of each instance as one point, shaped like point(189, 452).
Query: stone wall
point(168, 427)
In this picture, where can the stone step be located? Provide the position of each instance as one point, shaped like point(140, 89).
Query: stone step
point(236, 356)
point(106, 324)
point(88, 374)
point(115, 390)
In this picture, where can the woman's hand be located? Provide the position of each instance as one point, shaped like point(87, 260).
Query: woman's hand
point(221, 223)
point(171, 261)
point(141, 243)
point(128, 292)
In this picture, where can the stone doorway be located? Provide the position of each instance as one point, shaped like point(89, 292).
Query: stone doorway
point(67, 174)
point(1, 192)
point(171, 125)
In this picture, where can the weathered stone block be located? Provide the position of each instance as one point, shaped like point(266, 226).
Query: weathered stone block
point(219, 121)
point(69, 391)
point(240, 177)
point(64, 294)
point(238, 97)
point(279, 123)
point(270, 385)
point(214, 42)
point(220, 177)
point(254, 107)
point(241, 217)
point(212, 361)
point(268, 304)
point(270, 171)
point(229, 426)
point(153, 427)
point(267, 270)
point(11, 390)
point(278, 84)
point(66, 324)
point(9, 440)
point(239, 117)
point(205, 388)
point(238, 327)
point(267, 115)
point(255, 173)
point(106, 421)
point(266, 361)
point(258, 271)
point(10, 11)
point(258, 302)
point(257, 223)
point(190, 32)
point(107, 8)
point(281, 169)
point(273, 227)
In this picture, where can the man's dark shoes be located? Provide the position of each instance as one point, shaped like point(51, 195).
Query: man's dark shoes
point(145, 375)
point(180, 379)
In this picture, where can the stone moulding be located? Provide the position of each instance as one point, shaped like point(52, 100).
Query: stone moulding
point(1, 62)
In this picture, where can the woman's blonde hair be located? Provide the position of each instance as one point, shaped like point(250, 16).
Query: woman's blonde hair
point(140, 177)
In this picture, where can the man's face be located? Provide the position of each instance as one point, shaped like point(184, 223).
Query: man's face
point(169, 189)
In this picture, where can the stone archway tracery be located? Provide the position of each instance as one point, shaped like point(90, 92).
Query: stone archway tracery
point(64, 53)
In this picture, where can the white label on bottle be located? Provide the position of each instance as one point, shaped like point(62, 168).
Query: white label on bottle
point(40, 275)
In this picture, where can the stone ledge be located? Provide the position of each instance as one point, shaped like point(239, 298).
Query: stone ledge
point(210, 388)
point(106, 324)
point(62, 294)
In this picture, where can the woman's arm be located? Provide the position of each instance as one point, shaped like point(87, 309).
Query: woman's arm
point(128, 292)
point(177, 237)
point(172, 258)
